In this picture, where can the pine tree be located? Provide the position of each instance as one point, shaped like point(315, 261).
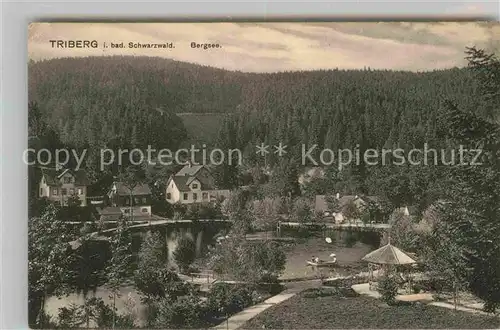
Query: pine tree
point(119, 269)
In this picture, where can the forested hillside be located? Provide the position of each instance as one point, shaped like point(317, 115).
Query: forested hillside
point(99, 98)
point(134, 101)
point(339, 109)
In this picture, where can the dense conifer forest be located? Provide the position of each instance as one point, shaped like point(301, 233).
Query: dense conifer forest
point(139, 101)
point(132, 102)
point(132, 98)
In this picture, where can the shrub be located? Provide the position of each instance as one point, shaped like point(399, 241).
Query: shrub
point(184, 312)
point(226, 299)
point(329, 292)
point(320, 292)
point(95, 309)
point(388, 288)
point(241, 260)
point(71, 316)
point(159, 283)
point(417, 288)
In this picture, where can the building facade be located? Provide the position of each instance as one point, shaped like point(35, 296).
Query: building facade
point(135, 201)
point(60, 185)
point(193, 184)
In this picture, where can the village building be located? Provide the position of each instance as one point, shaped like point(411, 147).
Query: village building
point(134, 203)
point(193, 184)
point(343, 202)
point(61, 185)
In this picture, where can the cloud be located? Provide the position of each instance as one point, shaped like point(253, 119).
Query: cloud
point(267, 47)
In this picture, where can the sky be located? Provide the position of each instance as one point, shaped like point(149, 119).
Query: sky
point(270, 47)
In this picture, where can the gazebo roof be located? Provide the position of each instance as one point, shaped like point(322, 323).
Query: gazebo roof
point(389, 255)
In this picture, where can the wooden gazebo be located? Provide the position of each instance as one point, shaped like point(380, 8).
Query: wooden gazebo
point(386, 256)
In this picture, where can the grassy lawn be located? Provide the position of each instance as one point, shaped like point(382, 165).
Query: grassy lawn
point(331, 310)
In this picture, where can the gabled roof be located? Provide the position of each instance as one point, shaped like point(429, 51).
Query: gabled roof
point(189, 170)
point(322, 205)
point(123, 190)
point(187, 175)
point(191, 179)
point(389, 255)
point(53, 176)
point(50, 176)
point(180, 182)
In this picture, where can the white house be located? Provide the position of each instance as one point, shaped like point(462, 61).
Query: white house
point(193, 184)
point(59, 185)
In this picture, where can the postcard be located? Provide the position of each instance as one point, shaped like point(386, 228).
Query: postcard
point(272, 175)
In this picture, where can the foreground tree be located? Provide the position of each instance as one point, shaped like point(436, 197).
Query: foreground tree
point(120, 268)
point(235, 207)
point(266, 213)
point(49, 261)
point(185, 253)
point(241, 260)
point(445, 258)
point(473, 209)
point(132, 177)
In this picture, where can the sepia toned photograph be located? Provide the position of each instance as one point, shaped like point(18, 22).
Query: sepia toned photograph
point(274, 175)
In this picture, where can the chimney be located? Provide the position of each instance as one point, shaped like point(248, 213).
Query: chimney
point(337, 196)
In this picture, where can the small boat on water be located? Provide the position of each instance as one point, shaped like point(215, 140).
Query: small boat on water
point(322, 263)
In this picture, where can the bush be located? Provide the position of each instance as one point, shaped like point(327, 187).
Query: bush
point(71, 316)
point(417, 288)
point(96, 310)
point(271, 287)
point(329, 292)
point(182, 313)
point(241, 260)
point(159, 283)
point(388, 288)
point(226, 299)
point(320, 292)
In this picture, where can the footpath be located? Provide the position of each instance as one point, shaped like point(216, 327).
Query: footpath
point(425, 298)
point(292, 288)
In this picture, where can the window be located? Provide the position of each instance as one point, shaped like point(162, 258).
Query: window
point(64, 191)
point(126, 211)
point(41, 191)
point(144, 200)
point(205, 196)
point(80, 191)
point(195, 186)
point(67, 179)
point(195, 196)
point(169, 196)
point(136, 200)
point(144, 210)
point(185, 197)
point(71, 191)
point(54, 192)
